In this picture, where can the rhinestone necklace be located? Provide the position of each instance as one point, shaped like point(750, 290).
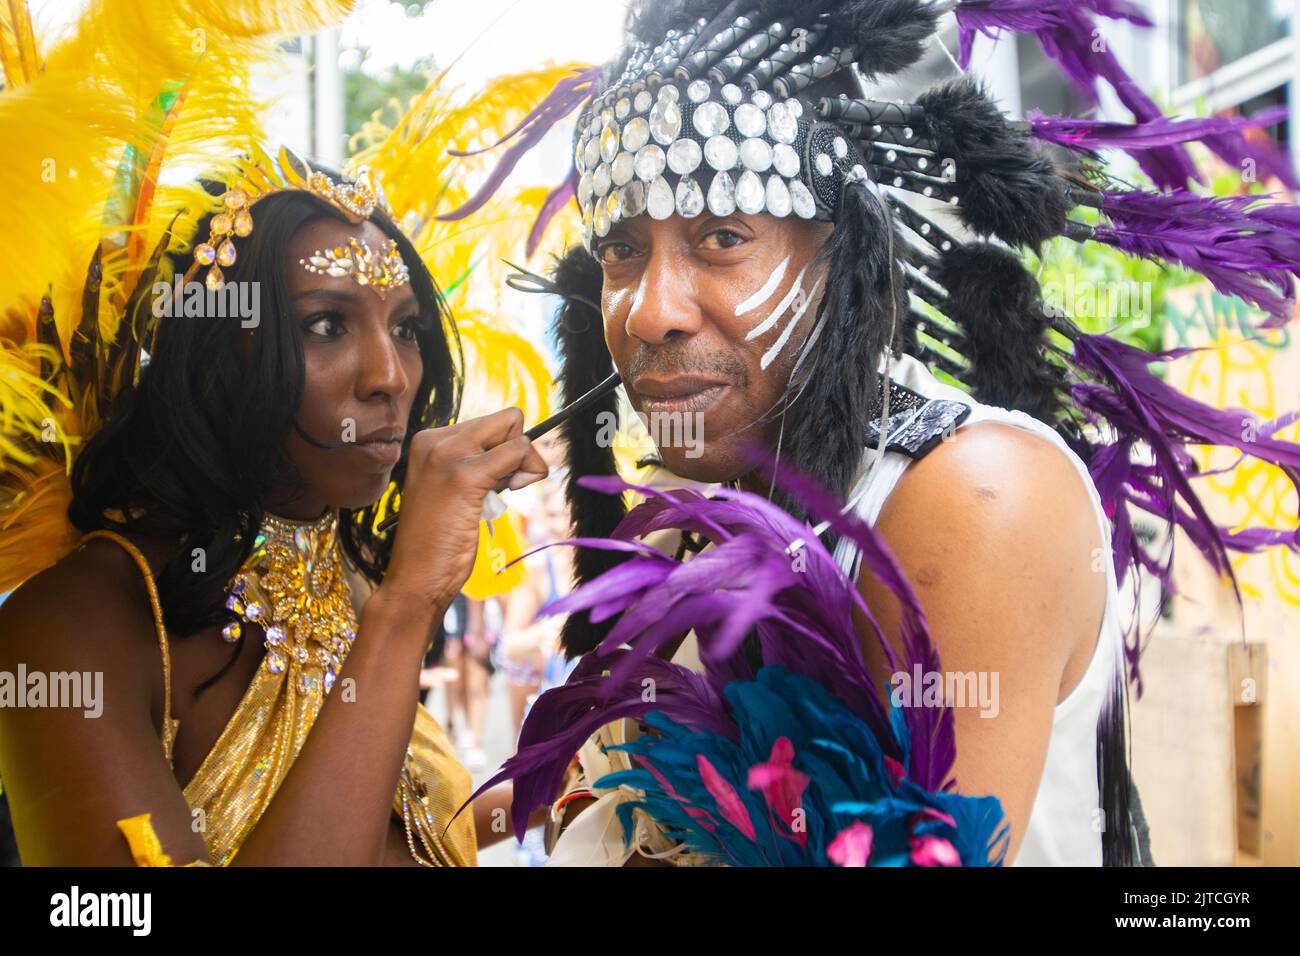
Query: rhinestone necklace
point(294, 587)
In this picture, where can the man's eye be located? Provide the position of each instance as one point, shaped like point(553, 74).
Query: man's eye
point(610, 252)
point(325, 324)
point(723, 239)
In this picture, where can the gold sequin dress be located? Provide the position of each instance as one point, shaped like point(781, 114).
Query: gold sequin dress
point(293, 586)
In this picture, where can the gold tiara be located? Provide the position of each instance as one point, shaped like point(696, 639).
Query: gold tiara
point(260, 176)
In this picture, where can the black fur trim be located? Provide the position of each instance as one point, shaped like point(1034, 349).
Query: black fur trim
point(584, 363)
point(1006, 187)
point(999, 307)
point(890, 34)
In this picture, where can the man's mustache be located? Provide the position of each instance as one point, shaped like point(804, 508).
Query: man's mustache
point(670, 360)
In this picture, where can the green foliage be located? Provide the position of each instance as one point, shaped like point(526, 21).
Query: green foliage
point(387, 95)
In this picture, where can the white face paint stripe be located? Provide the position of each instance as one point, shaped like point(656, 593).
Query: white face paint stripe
point(779, 311)
point(779, 344)
point(765, 293)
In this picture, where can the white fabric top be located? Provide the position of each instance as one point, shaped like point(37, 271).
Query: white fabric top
point(1064, 826)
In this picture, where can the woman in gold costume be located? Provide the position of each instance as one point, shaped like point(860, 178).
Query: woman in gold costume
point(302, 382)
point(281, 729)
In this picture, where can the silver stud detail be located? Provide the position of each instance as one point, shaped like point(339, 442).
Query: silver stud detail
point(622, 169)
point(633, 199)
point(779, 203)
point(824, 165)
point(711, 119)
point(636, 134)
point(650, 162)
point(720, 152)
point(756, 154)
point(690, 198)
point(722, 195)
point(750, 196)
point(665, 122)
point(684, 156)
point(841, 147)
point(698, 91)
point(804, 204)
point(750, 120)
point(782, 125)
point(659, 199)
point(732, 94)
point(786, 160)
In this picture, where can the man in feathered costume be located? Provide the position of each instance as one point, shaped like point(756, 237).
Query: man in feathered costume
point(827, 284)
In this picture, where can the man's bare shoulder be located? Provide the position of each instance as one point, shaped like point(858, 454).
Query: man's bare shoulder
point(999, 482)
point(998, 522)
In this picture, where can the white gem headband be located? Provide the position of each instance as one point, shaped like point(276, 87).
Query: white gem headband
point(381, 271)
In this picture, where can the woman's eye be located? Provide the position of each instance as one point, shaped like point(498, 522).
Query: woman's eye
point(723, 239)
point(407, 328)
point(611, 252)
point(324, 324)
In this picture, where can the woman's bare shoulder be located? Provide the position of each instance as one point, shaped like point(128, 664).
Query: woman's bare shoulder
point(89, 608)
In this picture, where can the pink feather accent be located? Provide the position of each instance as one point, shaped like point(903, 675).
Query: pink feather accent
point(896, 771)
point(782, 786)
point(729, 802)
point(851, 846)
point(934, 851)
point(698, 813)
point(939, 815)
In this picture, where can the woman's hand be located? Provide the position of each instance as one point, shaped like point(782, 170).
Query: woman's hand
point(449, 472)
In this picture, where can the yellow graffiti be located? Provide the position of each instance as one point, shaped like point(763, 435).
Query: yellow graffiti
point(1239, 373)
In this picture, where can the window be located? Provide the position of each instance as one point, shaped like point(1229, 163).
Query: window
point(1214, 33)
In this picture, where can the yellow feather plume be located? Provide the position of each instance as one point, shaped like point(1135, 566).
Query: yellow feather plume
point(424, 179)
point(105, 136)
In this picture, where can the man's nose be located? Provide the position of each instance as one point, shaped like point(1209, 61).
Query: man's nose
point(664, 304)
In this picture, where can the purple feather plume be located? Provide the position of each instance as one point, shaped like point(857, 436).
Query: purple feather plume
point(569, 94)
point(1245, 247)
point(1065, 29)
point(1085, 135)
point(746, 582)
point(1066, 32)
point(1140, 407)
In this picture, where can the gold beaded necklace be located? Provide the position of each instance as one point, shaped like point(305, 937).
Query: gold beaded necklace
point(293, 585)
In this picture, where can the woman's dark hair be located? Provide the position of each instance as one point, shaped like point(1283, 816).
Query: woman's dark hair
point(192, 452)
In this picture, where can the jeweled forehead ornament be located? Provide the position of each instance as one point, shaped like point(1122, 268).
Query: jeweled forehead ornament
point(382, 271)
point(258, 177)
